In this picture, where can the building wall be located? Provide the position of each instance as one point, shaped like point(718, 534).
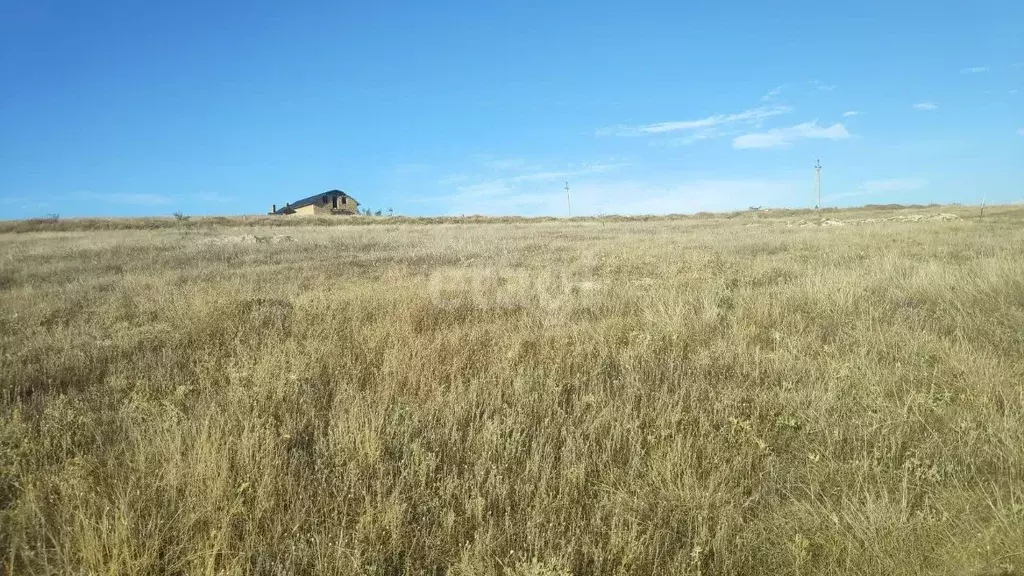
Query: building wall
point(349, 207)
point(320, 207)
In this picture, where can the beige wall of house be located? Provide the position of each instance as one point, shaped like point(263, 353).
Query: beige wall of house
point(328, 208)
point(321, 206)
point(345, 205)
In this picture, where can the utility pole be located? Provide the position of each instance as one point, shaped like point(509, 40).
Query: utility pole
point(568, 206)
point(817, 181)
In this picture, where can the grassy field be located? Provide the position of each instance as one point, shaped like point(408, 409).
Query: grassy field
point(770, 392)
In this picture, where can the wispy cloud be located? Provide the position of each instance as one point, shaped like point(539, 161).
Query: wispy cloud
point(453, 179)
point(583, 170)
point(706, 134)
point(409, 168)
point(133, 199)
point(892, 185)
point(504, 163)
point(850, 113)
point(886, 186)
point(926, 106)
point(81, 199)
point(747, 116)
point(780, 137)
point(516, 169)
point(212, 197)
point(1014, 91)
point(515, 193)
point(594, 197)
point(709, 195)
point(1020, 132)
point(974, 70)
point(23, 202)
point(771, 94)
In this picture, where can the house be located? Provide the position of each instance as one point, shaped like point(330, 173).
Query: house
point(330, 202)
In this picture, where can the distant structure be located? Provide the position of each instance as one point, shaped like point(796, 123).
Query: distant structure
point(330, 202)
point(568, 207)
point(817, 181)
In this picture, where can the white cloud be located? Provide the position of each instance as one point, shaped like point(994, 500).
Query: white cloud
point(974, 70)
point(547, 175)
point(887, 186)
point(136, 199)
point(411, 168)
point(708, 195)
point(211, 197)
point(850, 113)
point(453, 179)
point(747, 116)
point(771, 94)
point(892, 185)
point(12, 200)
point(785, 136)
point(594, 197)
point(79, 198)
point(505, 163)
point(519, 170)
point(926, 106)
point(826, 87)
point(514, 193)
point(706, 134)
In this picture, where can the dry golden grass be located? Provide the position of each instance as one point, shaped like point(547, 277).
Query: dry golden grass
point(735, 394)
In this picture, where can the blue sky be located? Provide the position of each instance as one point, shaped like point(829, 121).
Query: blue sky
point(129, 108)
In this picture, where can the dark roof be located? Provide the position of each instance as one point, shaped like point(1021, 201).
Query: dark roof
point(291, 207)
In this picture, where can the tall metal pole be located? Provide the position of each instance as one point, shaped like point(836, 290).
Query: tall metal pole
point(568, 206)
point(817, 181)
